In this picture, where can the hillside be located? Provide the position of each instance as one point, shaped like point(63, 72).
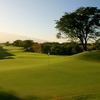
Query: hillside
point(89, 56)
point(36, 76)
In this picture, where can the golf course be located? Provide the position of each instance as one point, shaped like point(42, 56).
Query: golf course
point(37, 76)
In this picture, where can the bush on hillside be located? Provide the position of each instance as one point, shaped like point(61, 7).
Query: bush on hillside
point(97, 44)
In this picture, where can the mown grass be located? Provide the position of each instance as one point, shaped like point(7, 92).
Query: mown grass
point(34, 76)
point(89, 56)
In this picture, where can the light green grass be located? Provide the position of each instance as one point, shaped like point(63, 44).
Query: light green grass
point(44, 77)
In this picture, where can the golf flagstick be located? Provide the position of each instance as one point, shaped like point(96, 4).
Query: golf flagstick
point(48, 59)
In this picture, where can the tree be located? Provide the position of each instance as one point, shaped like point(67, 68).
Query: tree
point(97, 44)
point(7, 43)
point(18, 43)
point(27, 44)
point(45, 47)
point(55, 49)
point(36, 47)
point(81, 24)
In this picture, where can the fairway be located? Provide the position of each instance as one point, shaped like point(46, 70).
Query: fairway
point(37, 76)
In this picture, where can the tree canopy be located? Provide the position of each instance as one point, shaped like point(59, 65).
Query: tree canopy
point(82, 24)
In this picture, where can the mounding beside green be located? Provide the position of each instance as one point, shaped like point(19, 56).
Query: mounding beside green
point(36, 76)
point(89, 55)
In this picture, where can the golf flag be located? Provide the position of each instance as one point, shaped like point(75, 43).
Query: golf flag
point(48, 53)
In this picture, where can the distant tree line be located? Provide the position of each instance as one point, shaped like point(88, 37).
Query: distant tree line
point(61, 49)
point(28, 45)
point(54, 48)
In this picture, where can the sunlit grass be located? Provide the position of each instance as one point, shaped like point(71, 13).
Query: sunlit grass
point(46, 77)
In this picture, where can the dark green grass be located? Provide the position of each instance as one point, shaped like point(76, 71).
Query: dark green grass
point(34, 76)
point(8, 96)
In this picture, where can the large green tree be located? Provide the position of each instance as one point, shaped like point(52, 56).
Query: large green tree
point(27, 44)
point(18, 43)
point(82, 24)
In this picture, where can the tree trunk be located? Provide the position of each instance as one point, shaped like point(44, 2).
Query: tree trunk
point(84, 45)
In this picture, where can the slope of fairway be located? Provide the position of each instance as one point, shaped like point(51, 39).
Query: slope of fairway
point(89, 56)
point(35, 76)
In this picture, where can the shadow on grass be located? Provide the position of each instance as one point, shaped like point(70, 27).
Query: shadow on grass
point(4, 54)
point(8, 96)
point(11, 95)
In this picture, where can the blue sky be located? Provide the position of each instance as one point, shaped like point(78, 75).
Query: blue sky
point(35, 18)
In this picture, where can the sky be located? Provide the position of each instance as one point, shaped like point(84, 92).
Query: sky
point(36, 18)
